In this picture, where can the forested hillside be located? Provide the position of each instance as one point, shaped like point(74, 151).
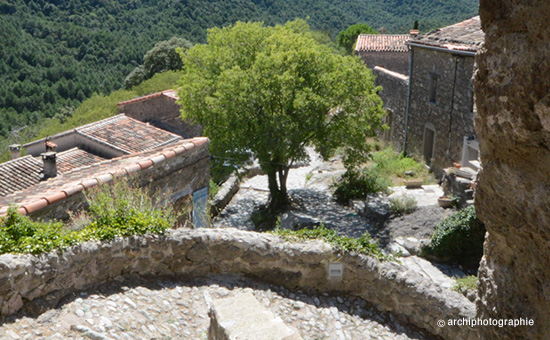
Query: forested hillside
point(56, 53)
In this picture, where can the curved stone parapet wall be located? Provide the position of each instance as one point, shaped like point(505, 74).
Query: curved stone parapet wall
point(44, 279)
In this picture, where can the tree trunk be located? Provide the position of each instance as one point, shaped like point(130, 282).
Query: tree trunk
point(277, 189)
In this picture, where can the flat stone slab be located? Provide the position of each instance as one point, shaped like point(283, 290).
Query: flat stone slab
point(425, 196)
point(242, 317)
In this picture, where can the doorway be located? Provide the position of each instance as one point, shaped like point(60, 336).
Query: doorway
point(428, 143)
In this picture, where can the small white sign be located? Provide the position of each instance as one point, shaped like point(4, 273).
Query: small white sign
point(335, 270)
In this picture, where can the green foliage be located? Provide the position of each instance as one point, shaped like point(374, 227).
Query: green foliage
point(214, 188)
point(271, 91)
point(348, 37)
point(361, 245)
point(119, 209)
point(458, 238)
point(403, 205)
point(161, 58)
point(19, 234)
point(58, 53)
point(395, 164)
point(357, 184)
point(463, 285)
point(115, 210)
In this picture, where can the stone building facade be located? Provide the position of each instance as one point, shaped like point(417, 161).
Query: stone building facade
point(394, 95)
point(161, 110)
point(384, 50)
point(440, 110)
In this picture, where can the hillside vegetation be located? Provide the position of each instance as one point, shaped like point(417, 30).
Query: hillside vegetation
point(56, 53)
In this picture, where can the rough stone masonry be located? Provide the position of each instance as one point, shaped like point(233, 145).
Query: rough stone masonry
point(512, 88)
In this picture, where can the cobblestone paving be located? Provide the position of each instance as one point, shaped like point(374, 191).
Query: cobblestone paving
point(137, 308)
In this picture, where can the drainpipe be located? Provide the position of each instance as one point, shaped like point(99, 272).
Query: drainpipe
point(448, 152)
point(408, 100)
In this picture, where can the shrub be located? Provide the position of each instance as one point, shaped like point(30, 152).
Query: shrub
point(119, 209)
point(396, 164)
point(463, 285)
point(458, 238)
point(19, 234)
point(358, 184)
point(403, 205)
point(115, 210)
point(361, 245)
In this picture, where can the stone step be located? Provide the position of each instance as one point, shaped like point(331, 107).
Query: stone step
point(242, 317)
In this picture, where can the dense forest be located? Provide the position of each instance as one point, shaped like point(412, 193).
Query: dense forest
point(56, 53)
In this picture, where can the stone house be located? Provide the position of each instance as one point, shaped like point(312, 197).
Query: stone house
point(50, 180)
point(384, 50)
point(430, 112)
point(440, 109)
point(161, 110)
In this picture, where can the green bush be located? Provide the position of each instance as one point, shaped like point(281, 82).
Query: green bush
point(458, 238)
point(358, 184)
point(115, 210)
point(119, 209)
point(361, 245)
point(464, 284)
point(19, 234)
point(391, 163)
point(403, 205)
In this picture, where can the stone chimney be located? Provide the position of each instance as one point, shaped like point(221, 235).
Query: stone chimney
point(414, 32)
point(50, 146)
point(50, 164)
point(15, 150)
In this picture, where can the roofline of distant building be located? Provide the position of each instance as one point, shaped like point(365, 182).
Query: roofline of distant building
point(442, 49)
point(149, 96)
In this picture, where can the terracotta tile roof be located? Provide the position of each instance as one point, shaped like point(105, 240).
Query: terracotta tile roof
point(382, 43)
point(58, 188)
point(463, 36)
point(127, 134)
point(172, 94)
point(24, 172)
point(75, 158)
point(19, 174)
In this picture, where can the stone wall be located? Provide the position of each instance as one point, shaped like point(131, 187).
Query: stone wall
point(452, 112)
point(177, 177)
point(513, 125)
point(162, 112)
point(394, 95)
point(38, 282)
point(395, 61)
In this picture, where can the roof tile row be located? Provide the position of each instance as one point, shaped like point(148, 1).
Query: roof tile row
point(57, 189)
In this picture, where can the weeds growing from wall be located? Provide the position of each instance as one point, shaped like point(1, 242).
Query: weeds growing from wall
point(116, 210)
point(362, 245)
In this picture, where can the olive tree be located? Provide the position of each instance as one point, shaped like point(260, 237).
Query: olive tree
point(268, 92)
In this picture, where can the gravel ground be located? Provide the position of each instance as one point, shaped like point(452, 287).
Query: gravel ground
point(161, 308)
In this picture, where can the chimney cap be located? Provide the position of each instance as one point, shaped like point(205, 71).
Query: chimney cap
point(414, 32)
point(15, 147)
point(48, 155)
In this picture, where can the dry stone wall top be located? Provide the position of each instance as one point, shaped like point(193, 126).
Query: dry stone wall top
point(36, 282)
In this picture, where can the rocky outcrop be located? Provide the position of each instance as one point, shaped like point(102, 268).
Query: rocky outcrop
point(38, 282)
point(513, 124)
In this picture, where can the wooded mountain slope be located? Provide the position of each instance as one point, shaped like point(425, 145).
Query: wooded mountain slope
point(56, 53)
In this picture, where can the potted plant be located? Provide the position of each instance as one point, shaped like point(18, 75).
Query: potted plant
point(445, 201)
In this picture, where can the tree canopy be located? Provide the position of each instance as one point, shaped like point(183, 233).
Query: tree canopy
point(161, 58)
point(348, 37)
point(269, 92)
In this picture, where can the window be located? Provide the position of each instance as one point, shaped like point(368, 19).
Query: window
point(433, 89)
